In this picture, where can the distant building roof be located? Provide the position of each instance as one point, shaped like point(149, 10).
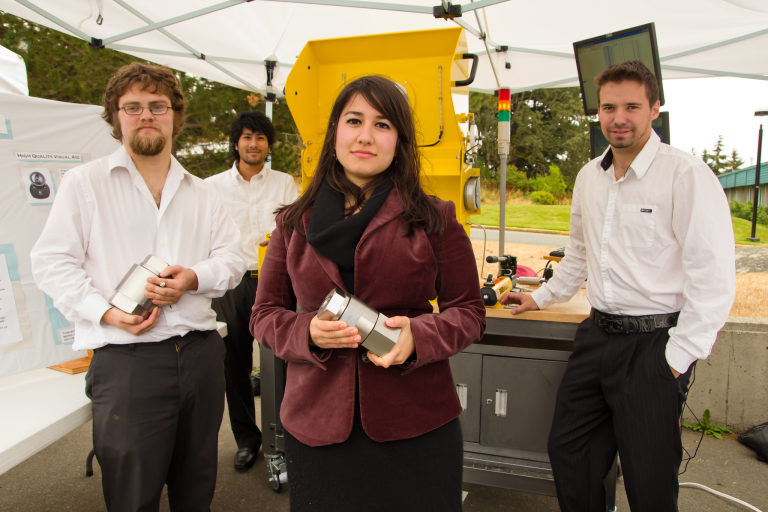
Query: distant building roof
point(744, 177)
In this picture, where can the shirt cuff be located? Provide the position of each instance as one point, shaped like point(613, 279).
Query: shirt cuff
point(677, 357)
point(93, 308)
point(205, 278)
point(542, 297)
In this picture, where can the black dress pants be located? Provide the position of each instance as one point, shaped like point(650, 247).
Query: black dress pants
point(234, 308)
point(157, 409)
point(618, 392)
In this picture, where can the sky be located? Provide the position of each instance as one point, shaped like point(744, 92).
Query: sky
point(701, 109)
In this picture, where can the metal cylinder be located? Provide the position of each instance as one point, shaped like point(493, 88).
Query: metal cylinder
point(374, 335)
point(129, 292)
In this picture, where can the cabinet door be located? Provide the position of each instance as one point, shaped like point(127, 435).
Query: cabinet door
point(518, 402)
point(467, 372)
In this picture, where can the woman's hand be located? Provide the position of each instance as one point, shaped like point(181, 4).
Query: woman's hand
point(328, 334)
point(404, 347)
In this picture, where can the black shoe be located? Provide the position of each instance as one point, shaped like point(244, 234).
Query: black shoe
point(244, 458)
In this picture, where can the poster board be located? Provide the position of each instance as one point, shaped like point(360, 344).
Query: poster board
point(40, 140)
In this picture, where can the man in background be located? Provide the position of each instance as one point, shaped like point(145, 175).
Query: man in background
point(156, 380)
point(251, 192)
point(651, 228)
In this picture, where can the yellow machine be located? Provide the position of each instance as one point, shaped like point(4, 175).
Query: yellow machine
point(427, 64)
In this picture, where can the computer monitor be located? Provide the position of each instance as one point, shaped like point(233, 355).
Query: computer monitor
point(593, 56)
point(598, 143)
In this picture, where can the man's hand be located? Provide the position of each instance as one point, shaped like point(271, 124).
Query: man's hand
point(263, 243)
point(674, 372)
point(133, 324)
point(525, 301)
point(164, 291)
point(328, 334)
point(402, 350)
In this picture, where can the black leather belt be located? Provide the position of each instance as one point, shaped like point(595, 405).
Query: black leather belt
point(617, 324)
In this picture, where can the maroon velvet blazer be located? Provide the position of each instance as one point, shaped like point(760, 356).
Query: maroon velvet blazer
point(397, 276)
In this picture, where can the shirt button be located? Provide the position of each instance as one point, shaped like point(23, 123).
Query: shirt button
point(162, 245)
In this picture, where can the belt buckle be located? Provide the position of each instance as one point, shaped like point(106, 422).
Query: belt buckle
point(254, 274)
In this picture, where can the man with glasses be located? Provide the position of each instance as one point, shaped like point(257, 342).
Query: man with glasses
point(251, 193)
point(156, 380)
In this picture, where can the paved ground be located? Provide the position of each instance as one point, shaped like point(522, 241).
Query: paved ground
point(53, 480)
point(751, 259)
point(521, 237)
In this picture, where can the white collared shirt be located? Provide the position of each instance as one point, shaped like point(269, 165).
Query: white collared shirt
point(104, 220)
point(658, 240)
point(252, 204)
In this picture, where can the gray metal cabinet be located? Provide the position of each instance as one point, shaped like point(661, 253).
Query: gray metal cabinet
point(467, 372)
point(518, 402)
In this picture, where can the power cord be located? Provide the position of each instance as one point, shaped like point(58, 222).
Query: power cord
point(694, 485)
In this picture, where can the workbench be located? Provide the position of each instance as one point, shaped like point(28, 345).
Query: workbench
point(507, 384)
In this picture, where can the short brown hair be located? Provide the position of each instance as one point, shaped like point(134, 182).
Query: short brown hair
point(155, 79)
point(633, 70)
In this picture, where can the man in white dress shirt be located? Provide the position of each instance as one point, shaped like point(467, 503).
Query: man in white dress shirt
point(651, 228)
point(156, 381)
point(251, 193)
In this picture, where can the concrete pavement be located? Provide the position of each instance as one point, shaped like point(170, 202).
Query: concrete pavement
point(521, 237)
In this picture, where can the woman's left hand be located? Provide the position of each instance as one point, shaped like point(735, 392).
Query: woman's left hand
point(402, 349)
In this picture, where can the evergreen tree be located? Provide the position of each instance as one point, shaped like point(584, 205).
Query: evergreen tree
point(548, 127)
point(735, 161)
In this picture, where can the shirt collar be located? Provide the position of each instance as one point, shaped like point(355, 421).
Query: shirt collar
point(121, 158)
point(239, 177)
point(642, 161)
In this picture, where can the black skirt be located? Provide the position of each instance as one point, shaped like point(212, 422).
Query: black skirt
point(419, 474)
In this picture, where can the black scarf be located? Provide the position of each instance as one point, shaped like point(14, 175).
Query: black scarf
point(336, 237)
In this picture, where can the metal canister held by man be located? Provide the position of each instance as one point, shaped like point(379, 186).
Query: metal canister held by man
point(374, 335)
point(129, 292)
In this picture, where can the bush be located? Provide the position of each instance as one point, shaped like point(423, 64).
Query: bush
point(517, 179)
point(542, 197)
point(552, 182)
point(744, 211)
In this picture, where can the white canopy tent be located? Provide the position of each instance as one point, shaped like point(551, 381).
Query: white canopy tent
point(13, 74)
point(230, 41)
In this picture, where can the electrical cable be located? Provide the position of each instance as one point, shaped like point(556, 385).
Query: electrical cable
point(440, 104)
point(694, 485)
point(720, 494)
point(485, 241)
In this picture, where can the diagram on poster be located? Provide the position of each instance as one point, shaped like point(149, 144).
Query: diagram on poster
point(39, 186)
point(10, 328)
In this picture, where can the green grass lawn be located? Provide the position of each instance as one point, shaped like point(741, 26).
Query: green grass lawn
point(557, 218)
point(741, 230)
point(531, 216)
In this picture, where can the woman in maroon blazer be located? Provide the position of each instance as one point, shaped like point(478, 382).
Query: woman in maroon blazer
point(367, 432)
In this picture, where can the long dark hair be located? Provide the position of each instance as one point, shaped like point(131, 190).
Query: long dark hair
point(405, 170)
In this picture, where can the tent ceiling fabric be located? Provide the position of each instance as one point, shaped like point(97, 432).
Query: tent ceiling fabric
point(237, 36)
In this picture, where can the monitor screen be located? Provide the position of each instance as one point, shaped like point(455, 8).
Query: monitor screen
point(598, 143)
point(594, 55)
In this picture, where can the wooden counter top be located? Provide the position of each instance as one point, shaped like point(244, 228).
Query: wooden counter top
point(574, 311)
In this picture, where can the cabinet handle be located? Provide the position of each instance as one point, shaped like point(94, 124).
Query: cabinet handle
point(461, 390)
point(501, 402)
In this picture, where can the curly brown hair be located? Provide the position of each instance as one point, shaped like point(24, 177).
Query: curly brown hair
point(154, 79)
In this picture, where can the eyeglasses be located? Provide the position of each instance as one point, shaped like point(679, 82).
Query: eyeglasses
point(136, 110)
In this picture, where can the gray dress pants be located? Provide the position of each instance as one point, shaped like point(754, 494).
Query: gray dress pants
point(157, 409)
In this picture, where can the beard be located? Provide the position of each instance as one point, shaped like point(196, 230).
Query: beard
point(146, 145)
point(257, 159)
